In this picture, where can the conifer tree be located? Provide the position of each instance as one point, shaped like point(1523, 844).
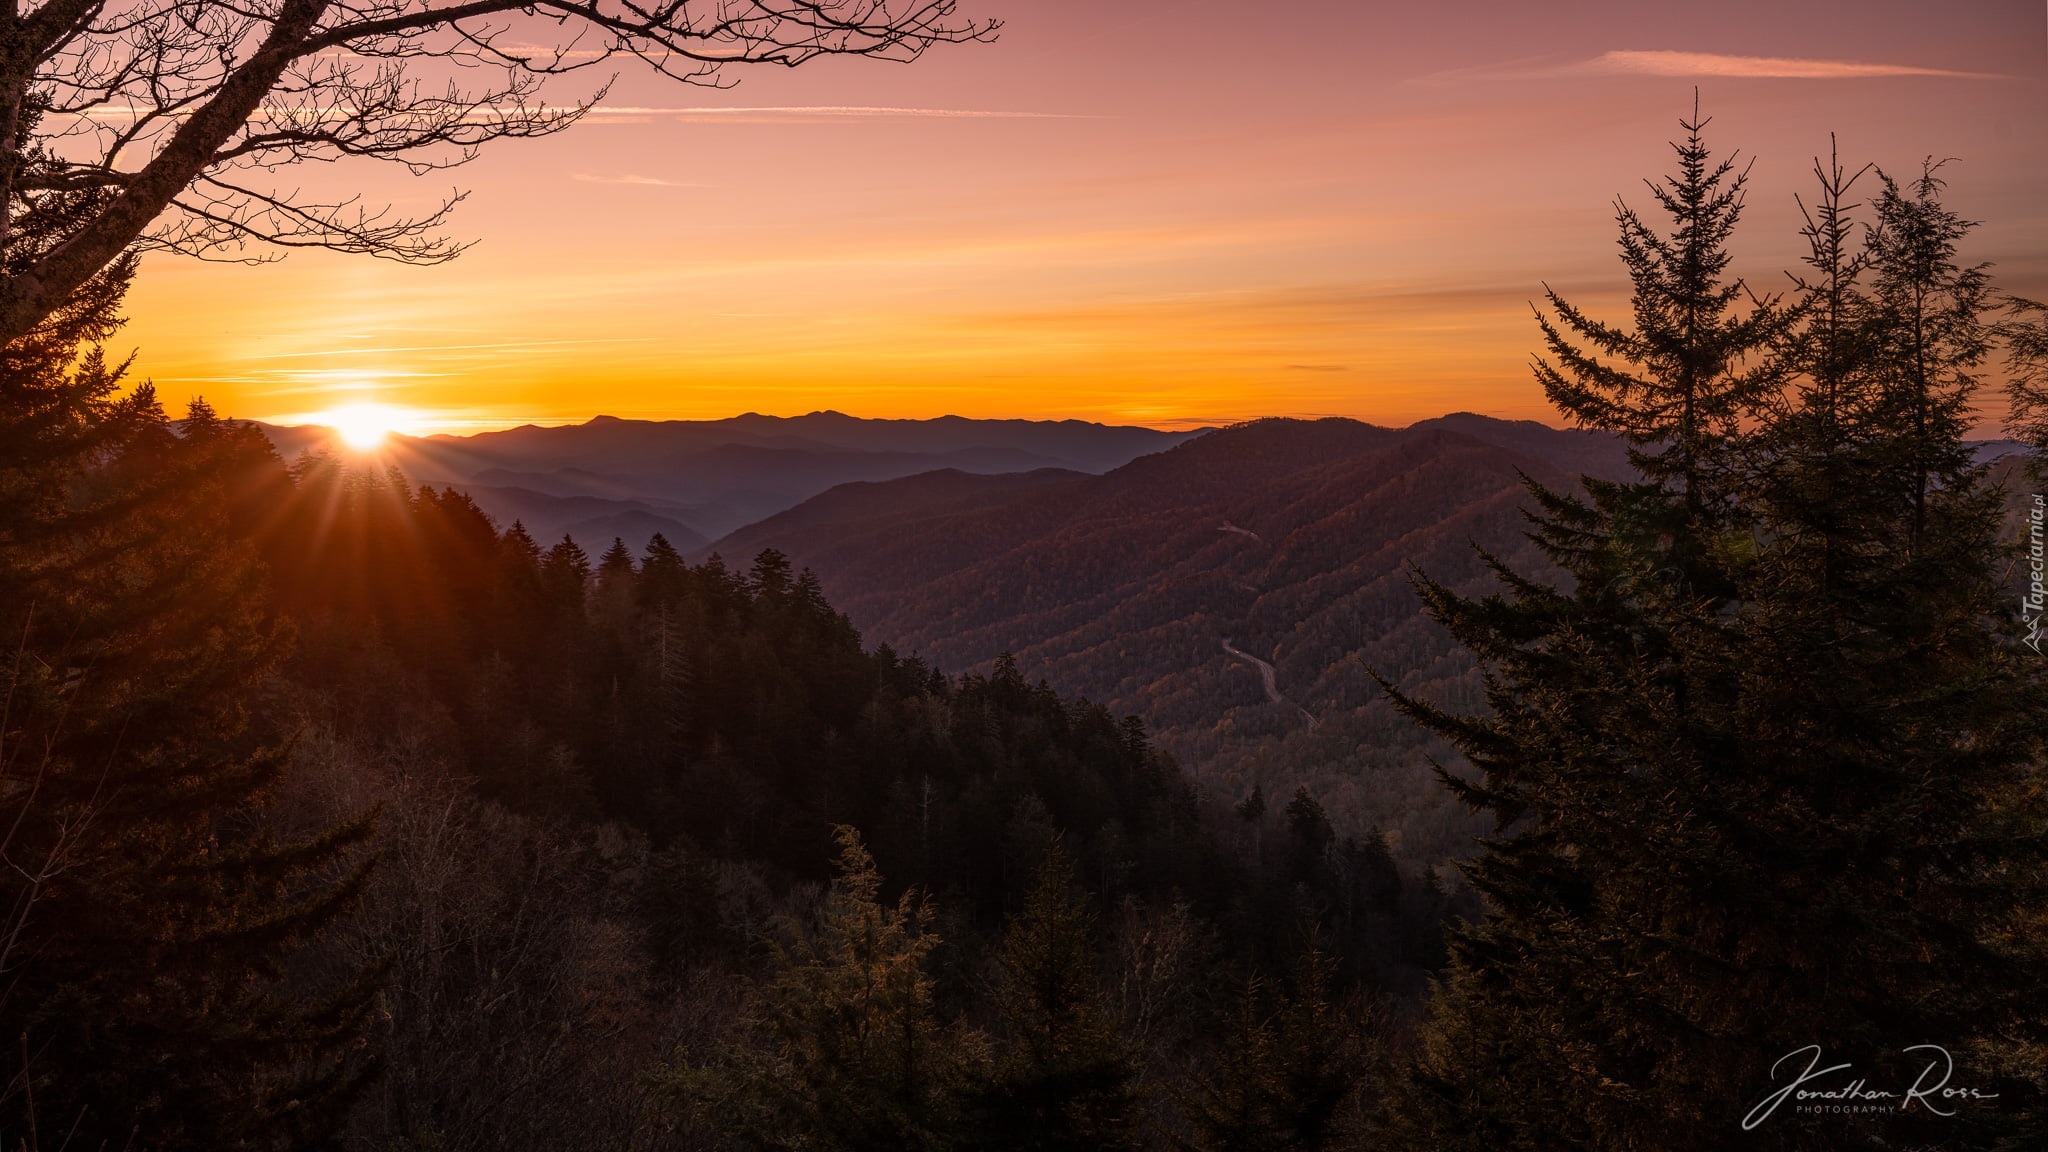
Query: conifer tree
point(1290, 1059)
point(565, 579)
point(1810, 457)
point(1252, 812)
point(1066, 1079)
point(1931, 314)
point(149, 916)
point(852, 1053)
point(1309, 842)
point(519, 606)
point(674, 676)
point(616, 580)
point(520, 551)
point(662, 573)
point(1679, 381)
point(770, 578)
point(1763, 774)
point(2024, 332)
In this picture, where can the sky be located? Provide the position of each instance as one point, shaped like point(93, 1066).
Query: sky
point(1161, 212)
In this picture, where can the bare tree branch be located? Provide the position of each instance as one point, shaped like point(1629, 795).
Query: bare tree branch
point(140, 123)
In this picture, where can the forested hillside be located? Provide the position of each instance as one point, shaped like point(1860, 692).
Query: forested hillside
point(579, 845)
point(686, 739)
point(1292, 541)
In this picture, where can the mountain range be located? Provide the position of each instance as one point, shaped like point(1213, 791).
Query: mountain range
point(1236, 588)
point(696, 479)
point(1235, 591)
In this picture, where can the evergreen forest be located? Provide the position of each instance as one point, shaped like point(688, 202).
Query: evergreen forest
point(335, 814)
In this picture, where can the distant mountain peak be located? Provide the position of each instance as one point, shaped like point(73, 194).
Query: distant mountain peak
point(1282, 545)
point(717, 475)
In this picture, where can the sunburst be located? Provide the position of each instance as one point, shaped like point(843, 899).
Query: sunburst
point(364, 427)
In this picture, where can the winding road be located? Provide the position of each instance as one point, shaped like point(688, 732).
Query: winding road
point(1266, 675)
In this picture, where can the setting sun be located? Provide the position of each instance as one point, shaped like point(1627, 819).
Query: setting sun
point(364, 426)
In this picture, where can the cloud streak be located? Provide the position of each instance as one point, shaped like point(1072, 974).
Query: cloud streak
point(769, 113)
point(1752, 67)
point(648, 181)
point(446, 348)
point(1685, 65)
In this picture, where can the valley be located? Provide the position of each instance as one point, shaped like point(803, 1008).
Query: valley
point(1124, 588)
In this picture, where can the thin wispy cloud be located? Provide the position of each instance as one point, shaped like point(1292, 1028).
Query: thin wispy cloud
point(424, 422)
point(1691, 65)
point(1755, 67)
point(629, 178)
point(834, 111)
point(445, 348)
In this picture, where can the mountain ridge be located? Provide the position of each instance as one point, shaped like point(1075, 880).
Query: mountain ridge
point(1292, 540)
point(711, 477)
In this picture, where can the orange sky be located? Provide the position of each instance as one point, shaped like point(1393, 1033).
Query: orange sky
point(1160, 213)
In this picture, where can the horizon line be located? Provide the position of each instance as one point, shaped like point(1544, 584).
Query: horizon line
point(1170, 426)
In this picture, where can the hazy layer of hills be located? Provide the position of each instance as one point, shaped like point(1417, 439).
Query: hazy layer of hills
point(696, 479)
point(1233, 588)
point(1160, 587)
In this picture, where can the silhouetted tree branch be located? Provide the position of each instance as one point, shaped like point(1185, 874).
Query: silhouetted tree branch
point(158, 124)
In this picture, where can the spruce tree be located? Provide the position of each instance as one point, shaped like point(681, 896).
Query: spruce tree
point(1678, 382)
point(1065, 1079)
point(616, 589)
point(1291, 1058)
point(1310, 839)
point(1764, 774)
point(2024, 333)
point(150, 917)
point(849, 1052)
point(565, 580)
point(1931, 314)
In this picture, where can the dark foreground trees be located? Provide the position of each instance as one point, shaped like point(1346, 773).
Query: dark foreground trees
point(148, 914)
point(849, 1045)
point(607, 794)
point(1065, 1075)
point(851, 1050)
point(1766, 773)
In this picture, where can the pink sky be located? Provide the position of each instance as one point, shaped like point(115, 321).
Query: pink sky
point(1165, 213)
